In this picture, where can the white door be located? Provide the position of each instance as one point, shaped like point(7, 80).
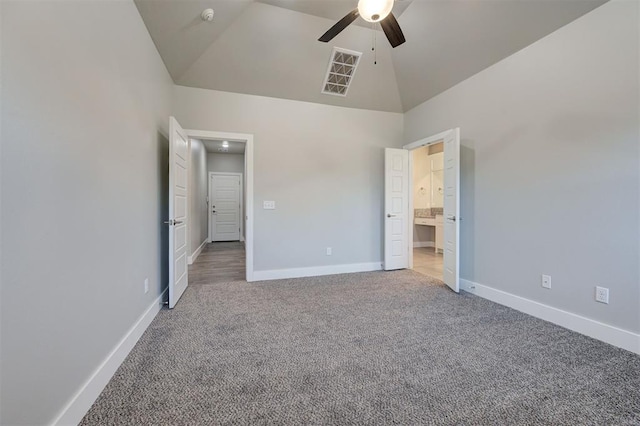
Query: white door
point(224, 193)
point(396, 209)
point(452, 209)
point(178, 154)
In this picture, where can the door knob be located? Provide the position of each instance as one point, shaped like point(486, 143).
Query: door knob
point(391, 215)
point(451, 218)
point(213, 211)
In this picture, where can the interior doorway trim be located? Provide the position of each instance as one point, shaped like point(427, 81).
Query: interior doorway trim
point(210, 219)
point(247, 139)
point(410, 147)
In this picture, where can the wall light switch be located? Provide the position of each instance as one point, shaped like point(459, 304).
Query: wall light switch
point(146, 285)
point(269, 205)
point(329, 252)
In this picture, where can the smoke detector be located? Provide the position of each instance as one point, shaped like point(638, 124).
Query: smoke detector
point(207, 15)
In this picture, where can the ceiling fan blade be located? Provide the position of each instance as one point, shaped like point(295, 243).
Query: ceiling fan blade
point(339, 26)
point(392, 30)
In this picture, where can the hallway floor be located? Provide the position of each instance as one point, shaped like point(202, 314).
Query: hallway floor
point(219, 262)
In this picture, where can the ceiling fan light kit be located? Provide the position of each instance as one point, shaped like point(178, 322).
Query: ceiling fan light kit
point(374, 10)
point(371, 11)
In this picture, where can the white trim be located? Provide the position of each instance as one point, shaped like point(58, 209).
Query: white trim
point(422, 244)
point(197, 252)
point(607, 333)
point(315, 271)
point(248, 178)
point(210, 221)
point(82, 400)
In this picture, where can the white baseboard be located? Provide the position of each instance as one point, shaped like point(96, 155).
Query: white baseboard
point(607, 333)
point(418, 244)
point(196, 253)
point(277, 274)
point(82, 400)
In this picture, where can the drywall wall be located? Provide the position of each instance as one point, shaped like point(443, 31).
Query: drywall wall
point(550, 166)
point(322, 165)
point(225, 163)
point(84, 193)
point(198, 187)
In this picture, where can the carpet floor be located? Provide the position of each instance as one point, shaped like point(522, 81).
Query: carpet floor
point(363, 349)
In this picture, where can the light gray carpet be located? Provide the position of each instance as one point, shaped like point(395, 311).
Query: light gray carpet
point(370, 348)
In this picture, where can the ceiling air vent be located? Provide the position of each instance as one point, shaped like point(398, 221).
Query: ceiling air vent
point(340, 72)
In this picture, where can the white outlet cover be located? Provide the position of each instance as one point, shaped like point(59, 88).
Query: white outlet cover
point(269, 205)
point(602, 294)
point(546, 281)
point(329, 251)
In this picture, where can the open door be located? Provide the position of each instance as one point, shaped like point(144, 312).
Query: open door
point(178, 154)
point(452, 209)
point(396, 206)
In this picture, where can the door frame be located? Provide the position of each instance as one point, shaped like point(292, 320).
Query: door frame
point(210, 220)
point(431, 140)
point(247, 139)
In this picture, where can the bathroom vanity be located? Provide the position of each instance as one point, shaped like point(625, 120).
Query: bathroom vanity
point(438, 223)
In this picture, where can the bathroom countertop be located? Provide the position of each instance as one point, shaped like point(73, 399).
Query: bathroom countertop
point(428, 213)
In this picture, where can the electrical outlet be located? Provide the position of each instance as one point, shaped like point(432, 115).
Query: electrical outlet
point(269, 205)
point(546, 281)
point(602, 295)
point(329, 252)
point(146, 285)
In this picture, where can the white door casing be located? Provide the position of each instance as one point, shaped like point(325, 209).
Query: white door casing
point(396, 209)
point(178, 181)
point(225, 195)
point(451, 272)
point(451, 207)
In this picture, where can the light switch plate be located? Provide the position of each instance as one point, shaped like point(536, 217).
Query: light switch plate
point(269, 205)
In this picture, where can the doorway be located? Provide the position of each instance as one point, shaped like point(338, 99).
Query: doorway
point(227, 254)
point(225, 200)
point(427, 165)
point(185, 198)
point(402, 215)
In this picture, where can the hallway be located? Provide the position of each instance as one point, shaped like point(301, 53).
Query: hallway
point(219, 262)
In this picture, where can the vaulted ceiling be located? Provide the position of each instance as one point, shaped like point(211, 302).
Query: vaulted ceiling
point(270, 47)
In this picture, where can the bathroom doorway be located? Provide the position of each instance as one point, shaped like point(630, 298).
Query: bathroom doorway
point(427, 215)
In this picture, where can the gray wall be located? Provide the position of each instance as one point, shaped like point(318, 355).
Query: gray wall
point(84, 184)
point(322, 165)
point(198, 226)
point(225, 163)
point(550, 166)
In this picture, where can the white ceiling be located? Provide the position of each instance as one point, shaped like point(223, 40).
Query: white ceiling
point(270, 47)
point(214, 146)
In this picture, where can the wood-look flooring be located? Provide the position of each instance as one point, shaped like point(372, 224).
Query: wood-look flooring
point(427, 262)
point(219, 262)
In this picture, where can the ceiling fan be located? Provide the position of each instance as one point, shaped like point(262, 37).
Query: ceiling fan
point(371, 11)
